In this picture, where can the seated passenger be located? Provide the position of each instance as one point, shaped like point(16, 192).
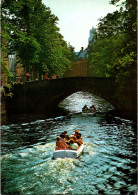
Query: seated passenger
point(65, 132)
point(80, 135)
point(62, 139)
point(79, 140)
point(74, 138)
point(73, 145)
point(62, 134)
point(85, 108)
point(76, 133)
point(92, 108)
point(66, 139)
point(60, 144)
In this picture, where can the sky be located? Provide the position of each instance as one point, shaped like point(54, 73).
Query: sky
point(77, 17)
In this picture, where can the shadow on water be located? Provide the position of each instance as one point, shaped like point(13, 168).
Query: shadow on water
point(107, 166)
point(23, 118)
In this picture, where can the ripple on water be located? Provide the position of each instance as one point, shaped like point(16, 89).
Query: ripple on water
point(107, 166)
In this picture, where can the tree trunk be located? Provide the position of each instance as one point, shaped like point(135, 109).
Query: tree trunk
point(34, 73)
point(27, 43)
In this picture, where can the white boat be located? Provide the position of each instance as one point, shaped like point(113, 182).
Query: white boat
point(68, 153)
point(88, 113)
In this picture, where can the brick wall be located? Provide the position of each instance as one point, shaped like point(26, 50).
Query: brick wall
point(77, 69)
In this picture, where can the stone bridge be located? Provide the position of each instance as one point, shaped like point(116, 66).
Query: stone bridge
point(42, 96)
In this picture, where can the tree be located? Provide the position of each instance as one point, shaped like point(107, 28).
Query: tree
point(16, 15)
point(112, 51)
point(34, 36)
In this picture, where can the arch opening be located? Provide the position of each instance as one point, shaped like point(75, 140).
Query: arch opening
point(75, 102)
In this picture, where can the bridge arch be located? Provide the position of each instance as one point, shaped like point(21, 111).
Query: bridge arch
point(41, 96)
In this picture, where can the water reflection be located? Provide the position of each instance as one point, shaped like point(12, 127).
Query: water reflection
point(75, 102)
point(107, 166)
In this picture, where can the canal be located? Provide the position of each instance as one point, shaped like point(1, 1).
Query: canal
point(107, 165)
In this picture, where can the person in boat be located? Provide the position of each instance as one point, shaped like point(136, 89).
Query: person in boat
point(65, 132)
point(85, 109)
point(73, 146)
point(79, 140)
point(74, 138)
point(92, 108)
point(60, 144)
point(62, 135)
point(79, 134)
point(76, 133)
point(67, 139)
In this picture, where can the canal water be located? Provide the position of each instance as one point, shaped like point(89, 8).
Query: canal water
point(107, 165)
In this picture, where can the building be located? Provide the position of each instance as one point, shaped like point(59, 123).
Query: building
point(82, 54)
point(78, 69)
point(91, 34)
point(12, 68)
point(16, 69)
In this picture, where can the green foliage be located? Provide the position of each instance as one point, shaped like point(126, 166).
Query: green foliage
point(112, 51)
point(32, 33)
point(6, 73)
point(4, 89)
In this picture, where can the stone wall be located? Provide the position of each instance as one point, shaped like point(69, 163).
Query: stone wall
point(42, 96)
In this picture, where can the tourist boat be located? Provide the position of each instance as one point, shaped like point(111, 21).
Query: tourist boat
point(88, 113)
point(66, 153)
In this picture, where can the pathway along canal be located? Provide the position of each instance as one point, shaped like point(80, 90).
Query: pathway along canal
point(107, 166)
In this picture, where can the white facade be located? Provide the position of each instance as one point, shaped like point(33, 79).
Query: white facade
point(12, 64)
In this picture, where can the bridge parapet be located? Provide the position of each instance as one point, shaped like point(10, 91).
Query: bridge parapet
point(38, 96)
point(42, 96)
